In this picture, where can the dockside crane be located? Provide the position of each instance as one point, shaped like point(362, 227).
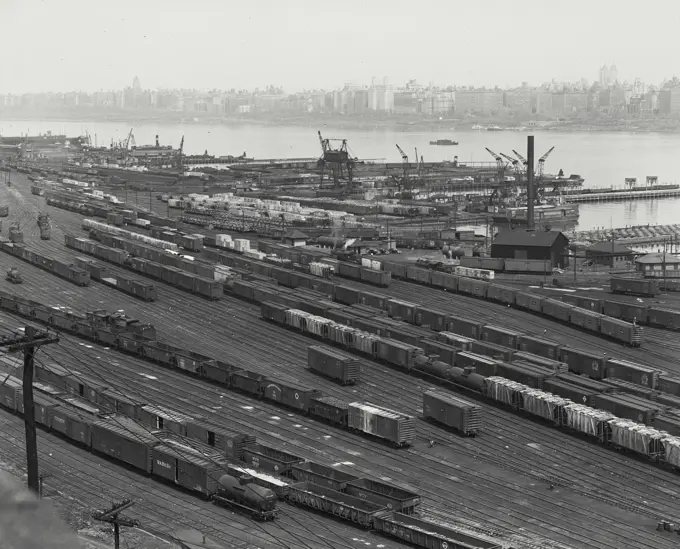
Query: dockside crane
point(500, 174)
point(523, 160)
point(338, 160)
point(517, 166)
point(404, 158)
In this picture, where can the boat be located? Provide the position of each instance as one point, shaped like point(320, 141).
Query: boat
point(494, 129)
point(47, 139)
point(443, 142)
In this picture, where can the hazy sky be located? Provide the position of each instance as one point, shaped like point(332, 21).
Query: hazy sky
point(89, 45)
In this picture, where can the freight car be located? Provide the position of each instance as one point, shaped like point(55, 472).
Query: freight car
point(452, 411)
point(502, 391)
point(646, 287)
point(209, 288)
point(246, 495)
point(63, 270)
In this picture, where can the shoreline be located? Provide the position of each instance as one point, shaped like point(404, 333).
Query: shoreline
point(404, 123)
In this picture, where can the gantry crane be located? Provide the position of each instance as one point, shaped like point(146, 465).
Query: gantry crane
point(500, 175)
point(338, 159)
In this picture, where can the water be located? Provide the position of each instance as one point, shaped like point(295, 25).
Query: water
point(603, 159)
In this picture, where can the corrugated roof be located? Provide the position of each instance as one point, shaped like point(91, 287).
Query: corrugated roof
point(658, 258)
point(541, 239)
point(607, 248)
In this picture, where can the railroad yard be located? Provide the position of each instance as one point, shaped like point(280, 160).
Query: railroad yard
point(521, 482)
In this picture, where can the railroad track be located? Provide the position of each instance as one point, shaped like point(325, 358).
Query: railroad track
point(256, 356)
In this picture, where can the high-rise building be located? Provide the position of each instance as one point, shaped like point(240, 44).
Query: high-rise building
point(136, 85)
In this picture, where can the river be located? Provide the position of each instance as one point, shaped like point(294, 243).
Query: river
point(603, 159)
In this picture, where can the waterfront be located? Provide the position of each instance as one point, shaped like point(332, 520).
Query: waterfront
point(604, 159)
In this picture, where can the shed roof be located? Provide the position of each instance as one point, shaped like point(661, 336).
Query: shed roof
point(607, 248)
point(658, 259)
point(295, 235)
point(539, 239)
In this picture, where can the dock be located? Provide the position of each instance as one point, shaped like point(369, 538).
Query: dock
point(623, 195)
point(640, 234)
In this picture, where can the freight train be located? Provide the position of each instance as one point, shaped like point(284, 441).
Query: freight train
point(603, 425)
point(182, 458)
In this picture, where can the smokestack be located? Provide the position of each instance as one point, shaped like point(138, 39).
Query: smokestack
point(530, 184)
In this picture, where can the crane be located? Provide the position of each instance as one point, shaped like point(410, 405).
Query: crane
point(541, 163)
point(338, 159)
point(500, 175)
point(521, 158)
point(404, 158)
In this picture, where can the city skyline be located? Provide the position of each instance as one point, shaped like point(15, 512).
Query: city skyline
point(77, 45)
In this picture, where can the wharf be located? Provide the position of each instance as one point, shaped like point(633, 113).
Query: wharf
point(641, 234)
point(611, 196)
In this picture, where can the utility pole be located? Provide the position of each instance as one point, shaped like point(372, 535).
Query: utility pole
point(28, 343)
point(111, 516)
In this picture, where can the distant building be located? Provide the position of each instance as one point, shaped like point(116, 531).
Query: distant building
point(669, 101)
point(541, 245)
point(483, 101)
point(293, 237)
point(610, 254)
point(655, 265)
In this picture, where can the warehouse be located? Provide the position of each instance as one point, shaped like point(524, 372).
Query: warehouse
point(541, 245)
point(610, 254)
point(659, 265)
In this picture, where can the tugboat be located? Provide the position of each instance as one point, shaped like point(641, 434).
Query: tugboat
point(443, 142)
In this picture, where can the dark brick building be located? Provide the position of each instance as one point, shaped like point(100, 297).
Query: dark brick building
point(522, 244)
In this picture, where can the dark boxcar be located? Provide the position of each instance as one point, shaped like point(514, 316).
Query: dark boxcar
point(133, 344)
point(586, 382)
point(629, 407)
point(627, 387)
point(524, 372)
point(635, 373)
point(392, 497)
point(452, 411)
point(189, 470)
point(348, 296)
point(444, 352)
point(52, 374)
point(418, 274)
point(211, 289)
point(557, 309)
point(10, 392)
point(42, 404)
point(85, 386)
point(125, 441)
point(288, 394)
point(530, 302)
point(444, 280)
point(329, 408)
point(333, 502)
point(669, 422)
point(553, 365)
point(423, 533)
point(250, 382)
point(371, 299)
point(621, 330)
point(464, 327)
point(349, 270)
point(502, 294)
point(333, 364)
point(483, 365)
point(397, 353)
point(112, 400)
point(397, 270)
point(186, 281)
point(377, 278)
point(381, 422)
point(583, 362)
point(539, 346)
point(625, 311)
point(500, 336)
point(634, 286)
point(575, 393)
point(159, 417)
point(402, 309)
point(158, 351)
point(668, 383)
point(75, 425)
point(229, 442)
point(586, 319)
point(493, 350)
point(269, 459)
point(321, 475)
point(472, 286)
point(666, 318)
point(435, 320)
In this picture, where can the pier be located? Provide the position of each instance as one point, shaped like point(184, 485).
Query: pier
point(641, 234)
point(612, 196)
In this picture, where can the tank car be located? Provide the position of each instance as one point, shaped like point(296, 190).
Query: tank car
point(243, 493)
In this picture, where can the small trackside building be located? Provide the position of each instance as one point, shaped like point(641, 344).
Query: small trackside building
point(610, 254)
point(658, 265)
point(293, 237)
point(532, 245)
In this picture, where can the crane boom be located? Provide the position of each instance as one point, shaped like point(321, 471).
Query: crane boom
point(541, 163)
point(521, 158)
point(404, 156)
